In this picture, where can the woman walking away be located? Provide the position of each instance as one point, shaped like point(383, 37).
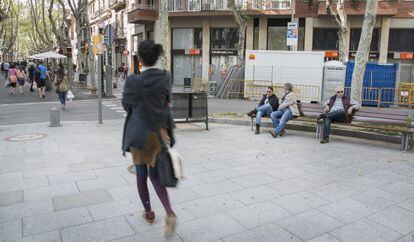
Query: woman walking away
point(20, 78)
point(146, 99)
point(62, 86)
point(12, 78)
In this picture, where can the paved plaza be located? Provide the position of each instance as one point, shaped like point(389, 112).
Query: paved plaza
point(72, 184)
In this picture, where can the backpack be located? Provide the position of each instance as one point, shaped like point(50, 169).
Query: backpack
point(13, 76)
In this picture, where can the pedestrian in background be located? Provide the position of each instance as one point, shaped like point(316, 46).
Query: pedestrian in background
point(62, 85)
point(12, 75)
point(42, 75)
point(6, 67)
point(21, 78)
point(32, 71)
point(146, 99)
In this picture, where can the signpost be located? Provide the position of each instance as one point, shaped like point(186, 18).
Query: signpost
point(292, 34)
point(97, 50)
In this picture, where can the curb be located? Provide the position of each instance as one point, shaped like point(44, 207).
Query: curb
point(309, 128)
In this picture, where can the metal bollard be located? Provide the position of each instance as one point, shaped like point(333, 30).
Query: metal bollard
point(54, 117)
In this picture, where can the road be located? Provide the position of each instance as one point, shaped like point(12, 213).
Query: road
point(29, 108)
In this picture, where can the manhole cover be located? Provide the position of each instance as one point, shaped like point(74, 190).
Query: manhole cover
point(26, 137)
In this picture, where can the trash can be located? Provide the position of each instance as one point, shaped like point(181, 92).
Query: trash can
point(333, 76)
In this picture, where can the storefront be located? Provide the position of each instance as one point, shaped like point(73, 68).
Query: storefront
point(186, 54)
point(223, 52)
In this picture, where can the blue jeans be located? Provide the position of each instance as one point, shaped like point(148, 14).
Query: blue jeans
point(265, 109)
point(62, 97)
point(280, 119)
point(6, 74)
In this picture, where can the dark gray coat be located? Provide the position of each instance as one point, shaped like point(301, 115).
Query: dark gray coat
point(146, 99)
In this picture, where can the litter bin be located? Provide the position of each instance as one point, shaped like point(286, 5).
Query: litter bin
point(333, 76)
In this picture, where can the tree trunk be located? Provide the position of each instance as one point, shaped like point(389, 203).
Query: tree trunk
point(162, 33)
point(362, 54)
point(241, 21)
point(341, 20)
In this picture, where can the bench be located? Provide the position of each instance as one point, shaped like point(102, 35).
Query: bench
point(394, 120)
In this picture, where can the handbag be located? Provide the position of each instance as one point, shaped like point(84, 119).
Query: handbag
point(69, 95)
point(168, 165)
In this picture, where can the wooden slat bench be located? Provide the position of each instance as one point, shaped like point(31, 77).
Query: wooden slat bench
point(397, 121)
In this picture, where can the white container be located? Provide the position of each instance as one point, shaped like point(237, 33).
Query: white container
point(302, 69)
point(334, 75)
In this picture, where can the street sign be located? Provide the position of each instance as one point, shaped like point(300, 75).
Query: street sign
point(109, 35)
point(292, 34)
point(97, 44)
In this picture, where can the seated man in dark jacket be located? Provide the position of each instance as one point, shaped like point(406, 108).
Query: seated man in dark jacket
point(339, 108)
point(267, 105)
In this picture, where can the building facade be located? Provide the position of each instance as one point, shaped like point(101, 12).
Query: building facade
point(204, 35)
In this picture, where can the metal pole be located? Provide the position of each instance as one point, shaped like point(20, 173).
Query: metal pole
point(99, 84)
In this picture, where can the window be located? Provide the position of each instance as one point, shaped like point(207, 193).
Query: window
point(224, 38)
point(256, 34)
point(401, 40)
point(356, 35)
point(276, 34)
point(325, 39)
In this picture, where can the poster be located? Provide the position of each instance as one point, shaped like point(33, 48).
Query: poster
point(292, 34)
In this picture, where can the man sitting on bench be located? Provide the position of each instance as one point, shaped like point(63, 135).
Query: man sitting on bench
point(267, 105)
point(339, 108)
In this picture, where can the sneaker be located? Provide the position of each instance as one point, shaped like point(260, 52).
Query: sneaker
point(149, 216)
point(170, 223)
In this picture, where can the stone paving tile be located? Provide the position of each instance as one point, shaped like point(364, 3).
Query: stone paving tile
point(384, 177)
point(211, 189)
point(253, 180)
point(397, 218)
point(259, 214)
point(81, 199)
point(123, 192)
point(334, 191)
point(101, 183)
point(217, 175)
point(53, 221)
point(300, 202)
point(408, 204)
point(265, 233)
point(401, 189)
point(285, 173)
point(103, 230)
point(292, 185)
point(9, 198)
point(255, 194)
point(11, 231)
point(212, 205)
point(23, 184)
point(156, 235)
point(361, 183)
point(310, 224)
point(209, 228)
point(45, 172)
point(364, 231)
point(181, 195)
point(71, 177)
point(53, 236)
point(407, 238)
point(378, 198)
point(347, 210)
point(48, 192)
point(323, 178)
point(26, 209)
point(12, 176)
point(112, 171)
point(324, 238)
point(114, 208)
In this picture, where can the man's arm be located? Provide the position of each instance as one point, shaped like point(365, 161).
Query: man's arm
point(355, 104)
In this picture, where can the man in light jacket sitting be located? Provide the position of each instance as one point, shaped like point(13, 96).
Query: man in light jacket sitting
point(339, 108)
point(287, 110)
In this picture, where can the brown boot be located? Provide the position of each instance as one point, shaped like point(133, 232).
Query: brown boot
point(252, 113)
point(257, 129)
point(149, 216)
point(273, 133)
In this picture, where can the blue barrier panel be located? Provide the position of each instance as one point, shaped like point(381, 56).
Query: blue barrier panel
point(376, 76)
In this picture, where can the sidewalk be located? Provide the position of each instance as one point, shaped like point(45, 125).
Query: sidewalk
point(72, 184)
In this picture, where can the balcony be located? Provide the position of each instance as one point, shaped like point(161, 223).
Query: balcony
point(117, 4)
point(358, 8)
point(142, 14)
point(269, 5)
point(197, 5)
